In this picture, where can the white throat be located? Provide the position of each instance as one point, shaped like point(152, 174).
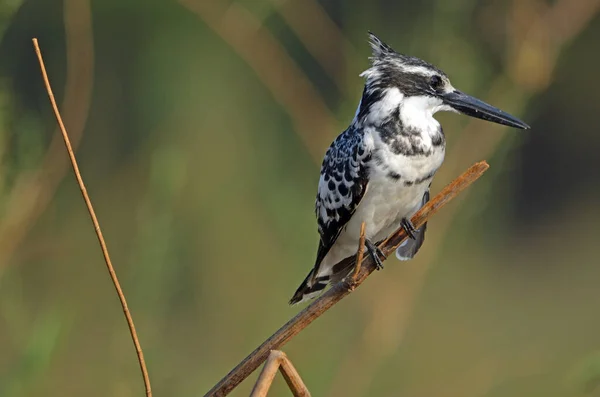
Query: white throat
point(415, 111)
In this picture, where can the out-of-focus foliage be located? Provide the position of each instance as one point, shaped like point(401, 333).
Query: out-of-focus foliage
point(201, 151)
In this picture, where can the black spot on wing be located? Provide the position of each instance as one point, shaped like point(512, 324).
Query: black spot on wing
point(343, 189)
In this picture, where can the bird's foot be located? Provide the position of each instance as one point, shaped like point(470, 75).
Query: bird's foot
point(409, 228)
point(375, 253)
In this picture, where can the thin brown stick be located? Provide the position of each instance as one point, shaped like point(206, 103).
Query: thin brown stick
point(340, 290)
point(292, 377)
point(267, 375)
point(278, 360)
point(90, 208)
point(361, 251)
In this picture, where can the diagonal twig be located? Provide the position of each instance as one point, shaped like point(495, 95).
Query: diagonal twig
point(279, 360)
point(340, 290)
point(360, 253)
point(90, 208)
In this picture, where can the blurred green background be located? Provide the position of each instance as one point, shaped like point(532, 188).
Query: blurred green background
point(200, 126)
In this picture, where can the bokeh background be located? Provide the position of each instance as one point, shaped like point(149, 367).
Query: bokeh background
point(199, 126)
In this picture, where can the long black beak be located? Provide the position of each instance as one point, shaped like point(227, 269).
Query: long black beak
point(473, 107)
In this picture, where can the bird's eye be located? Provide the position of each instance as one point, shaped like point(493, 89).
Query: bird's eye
point(435, 82)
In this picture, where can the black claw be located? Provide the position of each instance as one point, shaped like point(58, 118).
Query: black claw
point(409, 228)
point(375, 253)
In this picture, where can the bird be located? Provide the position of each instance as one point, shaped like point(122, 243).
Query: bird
point(379, 170)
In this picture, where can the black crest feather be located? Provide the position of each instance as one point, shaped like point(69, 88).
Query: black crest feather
point(378, 47)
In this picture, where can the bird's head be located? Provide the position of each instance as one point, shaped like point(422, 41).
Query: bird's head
point(397, 82)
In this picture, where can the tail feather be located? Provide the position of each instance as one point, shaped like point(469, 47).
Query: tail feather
point(309, 288)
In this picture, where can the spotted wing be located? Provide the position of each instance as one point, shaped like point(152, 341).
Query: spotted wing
point(343, 182)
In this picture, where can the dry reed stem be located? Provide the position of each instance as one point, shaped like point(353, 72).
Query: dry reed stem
point(342, 289)
point(88, 203)
point(278, 360)
point(360, 252)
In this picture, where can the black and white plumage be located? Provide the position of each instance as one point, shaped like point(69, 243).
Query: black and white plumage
point(379, 170)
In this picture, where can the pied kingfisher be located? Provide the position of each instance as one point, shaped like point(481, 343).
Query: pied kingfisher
point(379, 170)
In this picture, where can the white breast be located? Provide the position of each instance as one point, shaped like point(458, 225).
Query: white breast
point(387, 201)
